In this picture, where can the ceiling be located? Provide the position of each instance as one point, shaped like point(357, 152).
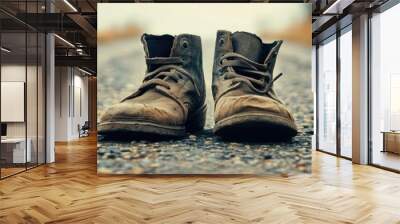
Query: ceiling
point(75, 22)
point(331, 15)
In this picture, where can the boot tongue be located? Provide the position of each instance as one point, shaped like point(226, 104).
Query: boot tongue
point(248, 45)
point(158, 46)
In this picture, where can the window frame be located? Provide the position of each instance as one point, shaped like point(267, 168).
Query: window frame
point(334, 37)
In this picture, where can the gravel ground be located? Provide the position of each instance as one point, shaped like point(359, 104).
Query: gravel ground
point(204, 153)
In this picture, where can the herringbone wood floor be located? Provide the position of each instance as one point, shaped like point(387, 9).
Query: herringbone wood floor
point(70, 191)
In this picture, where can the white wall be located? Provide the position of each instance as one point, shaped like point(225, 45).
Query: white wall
point(71, 94)
point(62, 81)
point(79, 112)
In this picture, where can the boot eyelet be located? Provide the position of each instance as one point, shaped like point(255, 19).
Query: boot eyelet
point(221, 42)
point(185, 44)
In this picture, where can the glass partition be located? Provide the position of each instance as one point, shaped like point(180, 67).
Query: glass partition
point(31, 99)
point(32, 103)
point(14, 153)
point(22, 101)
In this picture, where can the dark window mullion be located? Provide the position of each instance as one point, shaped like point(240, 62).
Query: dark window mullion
point(338, 76)
point(37, 90)
point(369, 91)
point(0, 101)
point(316, 97)
point(26, 87)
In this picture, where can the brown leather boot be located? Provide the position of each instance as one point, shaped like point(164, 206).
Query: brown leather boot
point(171, 100)
point(246, 105)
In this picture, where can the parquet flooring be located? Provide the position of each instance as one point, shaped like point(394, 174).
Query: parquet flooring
point(69, 191)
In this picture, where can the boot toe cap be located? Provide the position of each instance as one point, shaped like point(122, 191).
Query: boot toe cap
point(140, 112)
point(250, 104)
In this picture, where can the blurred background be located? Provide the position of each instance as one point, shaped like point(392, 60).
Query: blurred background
point(121, 64)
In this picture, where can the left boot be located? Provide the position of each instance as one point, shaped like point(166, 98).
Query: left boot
point(171, 100)
point(246, 105)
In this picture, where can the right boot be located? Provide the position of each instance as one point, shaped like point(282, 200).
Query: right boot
point(171, 100)
point(246, 105)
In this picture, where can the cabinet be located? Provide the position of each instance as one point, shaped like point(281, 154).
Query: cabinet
point(391, 142)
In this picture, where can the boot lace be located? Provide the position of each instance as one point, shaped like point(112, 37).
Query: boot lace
point(241, 69)
point(168, 70)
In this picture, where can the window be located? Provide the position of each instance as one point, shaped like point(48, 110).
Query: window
point(346, 93)
point(327, 96)
point(385, 89)
point(334, 106)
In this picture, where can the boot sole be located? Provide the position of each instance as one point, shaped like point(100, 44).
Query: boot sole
point(132, 129)
point(138, 129)
point(255, 127)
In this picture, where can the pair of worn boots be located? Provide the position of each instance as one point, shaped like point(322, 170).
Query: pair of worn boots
point(171, 100)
